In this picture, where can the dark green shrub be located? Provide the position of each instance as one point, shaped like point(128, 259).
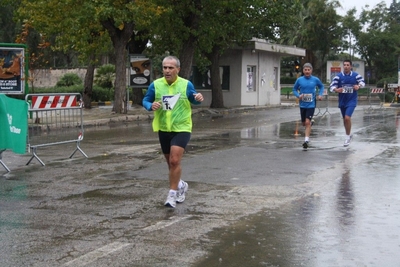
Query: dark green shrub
point(60, 90)
point(381, 82)
point(98, 93)
point(105, 76)
point(102, 94)
point(286, 90)
point(69, 79)
point(363, 91)
point(389, 96)
point(288, 80)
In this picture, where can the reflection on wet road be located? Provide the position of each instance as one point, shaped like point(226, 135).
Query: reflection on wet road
point(354, 222)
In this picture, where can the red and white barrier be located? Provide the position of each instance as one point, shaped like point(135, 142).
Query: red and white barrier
point(377, 90)
point(53, 101)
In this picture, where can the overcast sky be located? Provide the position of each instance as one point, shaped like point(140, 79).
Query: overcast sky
point(358, 4)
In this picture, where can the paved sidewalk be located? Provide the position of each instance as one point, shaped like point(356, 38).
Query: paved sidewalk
point(104, 115)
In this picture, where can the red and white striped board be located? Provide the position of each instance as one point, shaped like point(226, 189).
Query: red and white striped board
point(53, 101)
point(377, 90)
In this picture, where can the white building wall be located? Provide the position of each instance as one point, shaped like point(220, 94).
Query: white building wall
point(269, 83)
point(267, 78)
point(233, 59)
point(249, 97)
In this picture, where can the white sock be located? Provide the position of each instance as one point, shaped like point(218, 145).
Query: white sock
point(347, 136)
point(307, 139)
point(172, 192)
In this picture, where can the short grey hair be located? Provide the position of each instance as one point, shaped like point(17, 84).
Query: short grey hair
point(178, 63)
point(307, 65)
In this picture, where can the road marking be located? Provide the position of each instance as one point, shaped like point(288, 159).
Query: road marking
point(163, 224)
point(96, 254)
point(110, 248)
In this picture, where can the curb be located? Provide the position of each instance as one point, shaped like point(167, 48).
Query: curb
point(103, 103)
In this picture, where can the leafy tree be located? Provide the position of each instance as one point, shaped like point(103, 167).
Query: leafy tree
point(84, 27)
point(204, 30)
point(75, 29)
point(242, 21)
point(121, 19)
point(38, 50)
point(8, 27)
point(379, 45)
point(317, 30)
point(351, 28)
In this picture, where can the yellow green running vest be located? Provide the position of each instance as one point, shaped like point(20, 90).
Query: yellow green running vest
point(179, 118)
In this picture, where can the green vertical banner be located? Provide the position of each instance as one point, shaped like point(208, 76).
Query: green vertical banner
point(13, 124)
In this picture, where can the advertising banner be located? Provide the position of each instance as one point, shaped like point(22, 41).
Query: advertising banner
point(140, 71)
point(11, 70)
point(13, 124)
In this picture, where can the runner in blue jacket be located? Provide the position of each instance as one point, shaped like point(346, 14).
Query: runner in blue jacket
point(305, 90)
point(347, 83)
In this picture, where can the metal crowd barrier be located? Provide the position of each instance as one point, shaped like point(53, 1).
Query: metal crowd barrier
point(375, 96)
point(1, 160)
point(322, 107)
point(54, 119)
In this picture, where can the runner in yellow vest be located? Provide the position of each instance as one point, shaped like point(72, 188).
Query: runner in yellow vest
point(170, 98)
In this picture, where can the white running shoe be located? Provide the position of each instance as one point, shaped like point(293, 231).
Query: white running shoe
point(171, 201)
point(180, 196)
point(347, 141)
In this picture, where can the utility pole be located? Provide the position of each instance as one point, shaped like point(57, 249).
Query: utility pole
point(398, 80)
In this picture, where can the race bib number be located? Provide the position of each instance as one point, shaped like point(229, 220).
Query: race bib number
point(347, 89)
point(169, 101)
point(307, 98)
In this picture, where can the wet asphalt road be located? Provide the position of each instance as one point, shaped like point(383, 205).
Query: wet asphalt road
point(255, 198)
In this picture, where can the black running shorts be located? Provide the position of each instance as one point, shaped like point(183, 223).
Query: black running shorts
point(306, 113)
point(168, 139)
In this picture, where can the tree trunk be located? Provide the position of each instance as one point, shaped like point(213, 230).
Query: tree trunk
point(120, 38)
point(137, 96)
point(309, 58)
point(186, 58)
point(88, 84)
point(217, 100)
point(120, 79)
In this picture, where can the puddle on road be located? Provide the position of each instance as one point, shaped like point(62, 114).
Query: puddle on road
point(354, 222)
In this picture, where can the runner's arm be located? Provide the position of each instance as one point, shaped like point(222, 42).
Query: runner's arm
point(149, 97)
point(190, 92)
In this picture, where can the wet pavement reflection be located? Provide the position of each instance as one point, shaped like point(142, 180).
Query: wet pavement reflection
point(353, 223)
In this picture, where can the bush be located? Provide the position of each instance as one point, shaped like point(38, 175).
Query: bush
point(102, 94)
point(105, 76)
point(69, 79)
point(98, 93)
point(288, 80)
point(60, 90)
point(286, 90)
point(381, 82)
point(389, 97)
point(363, 91)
